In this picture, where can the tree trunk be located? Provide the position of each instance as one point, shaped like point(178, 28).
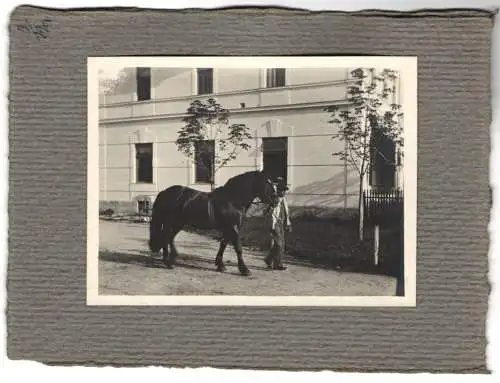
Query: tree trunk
point(376, 243)
point(361, 210)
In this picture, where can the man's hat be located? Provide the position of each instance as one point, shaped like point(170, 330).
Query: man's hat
point(281, 185)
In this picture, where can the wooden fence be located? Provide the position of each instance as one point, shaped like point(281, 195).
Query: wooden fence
point(384, 217)
point(383, 207)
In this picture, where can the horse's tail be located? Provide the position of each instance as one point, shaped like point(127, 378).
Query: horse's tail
point(156, 227)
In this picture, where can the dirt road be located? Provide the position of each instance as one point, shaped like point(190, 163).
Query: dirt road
point(127, 268)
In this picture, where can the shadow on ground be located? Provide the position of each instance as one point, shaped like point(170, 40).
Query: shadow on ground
point(185, 260)
point(328, 244)
point(138, 258)
point(141, 259)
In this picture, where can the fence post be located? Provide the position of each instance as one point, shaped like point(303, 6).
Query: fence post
point(376, 237)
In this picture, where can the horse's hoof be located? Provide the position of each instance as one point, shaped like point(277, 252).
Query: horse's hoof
point(221, 268)
point(245, 273)
point(170, 267)
point(282, 268)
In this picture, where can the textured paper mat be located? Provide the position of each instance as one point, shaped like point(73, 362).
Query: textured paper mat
point(47, 317)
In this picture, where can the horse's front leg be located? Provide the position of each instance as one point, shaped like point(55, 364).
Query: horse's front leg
point(170, 260)
point(166, 258)
point(235, 239)
point(220, 254)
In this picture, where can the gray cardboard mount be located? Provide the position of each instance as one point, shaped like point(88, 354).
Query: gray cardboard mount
point(47, 318)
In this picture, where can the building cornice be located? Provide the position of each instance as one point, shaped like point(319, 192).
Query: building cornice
point(257, 109)
point(229, 93)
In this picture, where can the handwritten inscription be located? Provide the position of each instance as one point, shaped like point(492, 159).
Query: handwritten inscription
point(40, 29)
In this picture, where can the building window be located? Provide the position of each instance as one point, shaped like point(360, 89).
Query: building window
point(205, 80)
point(143, 84)
point(204, 157)
point(144, 163)
point(275, 157)
point(144, 206)
point(275, 77)
point(382, 174)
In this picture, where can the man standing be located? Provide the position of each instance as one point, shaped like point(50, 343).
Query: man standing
point(280, 221)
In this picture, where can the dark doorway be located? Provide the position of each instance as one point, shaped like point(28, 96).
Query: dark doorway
point(275, 155)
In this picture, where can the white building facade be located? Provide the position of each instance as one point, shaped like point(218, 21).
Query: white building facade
point(140, 117)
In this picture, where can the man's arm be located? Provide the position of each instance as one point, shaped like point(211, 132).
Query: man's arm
point(288, 223)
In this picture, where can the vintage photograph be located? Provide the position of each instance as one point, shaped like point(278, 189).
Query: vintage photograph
point(252, 181)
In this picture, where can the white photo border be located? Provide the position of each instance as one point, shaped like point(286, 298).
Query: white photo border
point(407, 67)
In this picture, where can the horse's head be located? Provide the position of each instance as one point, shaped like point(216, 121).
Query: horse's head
point(266, 190)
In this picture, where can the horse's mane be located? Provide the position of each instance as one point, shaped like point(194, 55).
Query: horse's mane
point(234, 181)
point(238, 189)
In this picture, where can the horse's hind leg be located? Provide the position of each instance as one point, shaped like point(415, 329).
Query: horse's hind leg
point(220, 254)
point(166, 257)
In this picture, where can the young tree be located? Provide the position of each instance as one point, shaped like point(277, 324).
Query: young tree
point(111, 84)
point(210, 121)
point(371, 107)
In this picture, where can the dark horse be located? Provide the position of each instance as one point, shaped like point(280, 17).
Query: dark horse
point(222, 209)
